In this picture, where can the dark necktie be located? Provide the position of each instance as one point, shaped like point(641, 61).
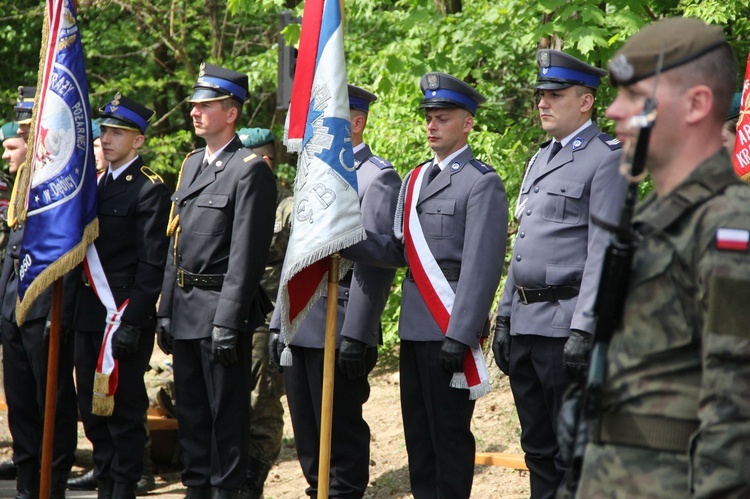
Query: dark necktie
point(108, 179)
point(434, 170)
point(556, 146)
point(204, 165)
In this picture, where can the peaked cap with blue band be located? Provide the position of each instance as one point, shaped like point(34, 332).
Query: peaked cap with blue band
point(125, 113)
point(217, 83)
point(360, 99)
point(442, 90)
point(25, 105)
point(558, 70)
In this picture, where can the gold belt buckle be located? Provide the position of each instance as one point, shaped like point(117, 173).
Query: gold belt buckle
point(180, 278)
point(522, 294)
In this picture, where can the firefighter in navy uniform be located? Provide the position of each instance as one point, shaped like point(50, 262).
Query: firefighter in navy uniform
point(221, 226)
point(25, 363)
point(132, 248)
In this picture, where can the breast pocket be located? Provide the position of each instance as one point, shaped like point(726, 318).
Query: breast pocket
point(563, 203)
point(437, 218)
point(212, 216)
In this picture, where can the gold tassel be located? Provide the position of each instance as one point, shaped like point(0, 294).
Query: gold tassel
point(101, 403)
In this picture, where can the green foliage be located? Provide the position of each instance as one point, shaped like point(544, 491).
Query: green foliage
point(151, 49)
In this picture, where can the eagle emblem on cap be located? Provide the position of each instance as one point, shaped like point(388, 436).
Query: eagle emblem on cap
point(202, 71)
point(544, 59)
point(20, 94)
point(621, 68)
point(433, 82)
point(115, 102)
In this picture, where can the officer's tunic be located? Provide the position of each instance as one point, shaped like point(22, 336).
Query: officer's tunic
point(25, 372)
point(556, 245)
point(681, 358)
point(226, 218)
point(463, 213)
point(132, 247)
point(362, 296)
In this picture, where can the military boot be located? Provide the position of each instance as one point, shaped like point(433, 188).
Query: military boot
point(198, 492)
point(257, 472)
point(58, 484)
point(104, 488)
point(124, 490)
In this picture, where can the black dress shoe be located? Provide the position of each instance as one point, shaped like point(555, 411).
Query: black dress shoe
point(83, 482)
point(8, 470)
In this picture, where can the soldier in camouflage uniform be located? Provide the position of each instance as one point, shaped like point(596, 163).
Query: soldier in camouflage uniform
point(676, 403)
point(267, 416)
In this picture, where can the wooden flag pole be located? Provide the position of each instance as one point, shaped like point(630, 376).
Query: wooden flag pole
point(329, 364)
point(50, 401)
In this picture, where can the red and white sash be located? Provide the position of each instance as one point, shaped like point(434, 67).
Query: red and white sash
point(436, 290)
point(106, 375)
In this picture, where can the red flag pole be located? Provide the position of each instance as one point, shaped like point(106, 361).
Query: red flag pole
point(50, 400)
point(329, 358)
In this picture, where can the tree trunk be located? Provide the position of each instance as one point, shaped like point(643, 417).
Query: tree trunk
point(448, 6)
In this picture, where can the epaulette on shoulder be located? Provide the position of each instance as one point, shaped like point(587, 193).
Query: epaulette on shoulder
point(247, 155)
point(151, 175)
point(381, 163)
point(482, 167)
point(612, 142)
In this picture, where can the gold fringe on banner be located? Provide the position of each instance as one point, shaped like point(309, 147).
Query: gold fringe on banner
point(57, 269)
point(101, 403)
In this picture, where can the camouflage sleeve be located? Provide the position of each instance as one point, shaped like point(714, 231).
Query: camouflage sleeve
point(720, 448)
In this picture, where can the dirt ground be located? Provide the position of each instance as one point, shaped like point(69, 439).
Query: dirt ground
point(495, 427)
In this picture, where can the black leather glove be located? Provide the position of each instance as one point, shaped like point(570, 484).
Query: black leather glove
point(501, 344)
point(125, 340)
point(164, 336)
point(576, 354)
point(224, 345)
point(452, 355)
point(352, 358)
point(275, 347)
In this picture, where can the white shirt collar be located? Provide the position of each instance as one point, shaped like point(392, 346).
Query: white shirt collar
point(564, 142)
point(210, 159)
point(118, 172)
point(447, 160)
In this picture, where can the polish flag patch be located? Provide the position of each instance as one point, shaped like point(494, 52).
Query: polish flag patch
point(732, 239)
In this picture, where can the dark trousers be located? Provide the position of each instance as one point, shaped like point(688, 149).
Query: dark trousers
point(118, 440)
point(437, 425)
point(538, 381)
point(25, 375)
point(213, 413)
point(350, 434)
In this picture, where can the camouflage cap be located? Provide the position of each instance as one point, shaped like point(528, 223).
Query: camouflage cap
point(680, 39)
point(255, 137)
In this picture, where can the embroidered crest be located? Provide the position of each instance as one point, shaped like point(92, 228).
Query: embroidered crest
point(577, 142)
point(621, 68)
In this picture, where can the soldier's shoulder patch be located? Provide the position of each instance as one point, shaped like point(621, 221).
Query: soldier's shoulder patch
point(381, 163)
point(151, 175)
point(732, 239)
point(481, 166)
point(611, 142)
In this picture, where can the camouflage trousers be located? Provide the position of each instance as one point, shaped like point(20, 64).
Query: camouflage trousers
point(267, 416)
point(616, 471)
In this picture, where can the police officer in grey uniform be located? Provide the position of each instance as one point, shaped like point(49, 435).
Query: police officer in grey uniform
point(362, 295)
point(462, 210)
point(221, 227)
point(557, 258)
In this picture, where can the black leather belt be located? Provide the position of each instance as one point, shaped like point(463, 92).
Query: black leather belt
point(185, 278)
point(450, 273)
point(550, 293)
point(114, 280)
point(650, 432)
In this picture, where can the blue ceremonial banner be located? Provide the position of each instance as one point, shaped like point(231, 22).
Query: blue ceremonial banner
point(55, 195)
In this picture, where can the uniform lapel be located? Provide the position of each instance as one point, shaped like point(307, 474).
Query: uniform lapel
point(208, 176)
point(120, 184)
point(565, 155)
point(444, 178)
